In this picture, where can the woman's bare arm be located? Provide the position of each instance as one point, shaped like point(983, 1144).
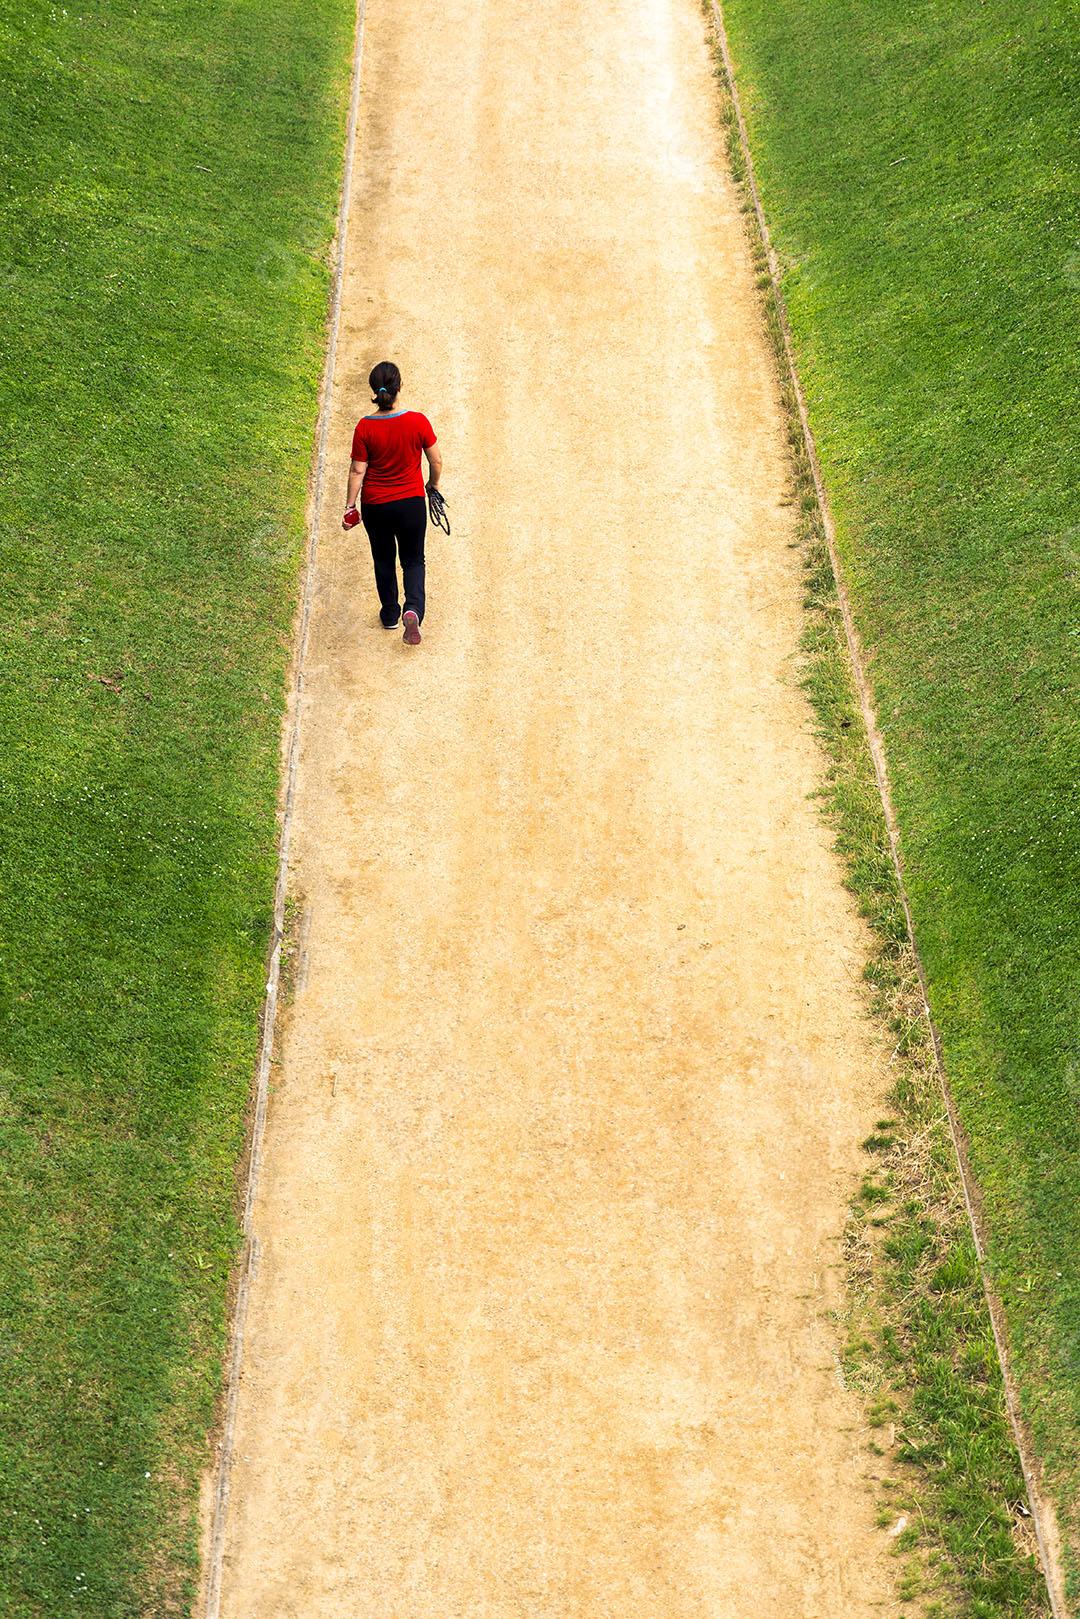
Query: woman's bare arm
point(434, 461)
point(356, 478)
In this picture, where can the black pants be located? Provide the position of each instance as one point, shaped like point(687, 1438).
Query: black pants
point(397, 524)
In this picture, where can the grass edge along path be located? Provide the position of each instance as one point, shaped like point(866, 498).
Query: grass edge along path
point(921, 1339)
point(284, 954)
point(173, 173)
point(918, 170)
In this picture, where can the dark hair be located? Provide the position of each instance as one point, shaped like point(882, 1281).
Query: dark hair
point(385, 384)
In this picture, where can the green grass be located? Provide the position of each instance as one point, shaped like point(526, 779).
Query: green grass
point(916, 169)
point(170, 175)
point(915, 1335)
point(916, 1339)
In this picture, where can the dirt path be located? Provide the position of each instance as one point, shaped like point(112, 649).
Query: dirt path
point(574, 1081)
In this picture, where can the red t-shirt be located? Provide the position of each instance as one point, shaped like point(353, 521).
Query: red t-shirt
point(391, 445)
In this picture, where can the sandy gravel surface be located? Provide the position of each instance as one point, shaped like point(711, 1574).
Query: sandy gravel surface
point(573, 1084)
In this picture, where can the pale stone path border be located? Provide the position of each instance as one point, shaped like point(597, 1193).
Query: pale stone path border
point(1042, 1512)
point(218, 1481)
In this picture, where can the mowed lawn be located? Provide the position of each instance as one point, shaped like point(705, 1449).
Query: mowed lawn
point(169, 179)
point(918, 171)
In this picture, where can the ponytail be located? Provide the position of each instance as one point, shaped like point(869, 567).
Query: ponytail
point(385, 384)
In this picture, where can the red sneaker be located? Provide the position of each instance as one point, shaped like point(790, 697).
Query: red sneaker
point(412, 628)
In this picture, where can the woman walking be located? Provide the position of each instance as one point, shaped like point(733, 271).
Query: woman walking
point(386, 473)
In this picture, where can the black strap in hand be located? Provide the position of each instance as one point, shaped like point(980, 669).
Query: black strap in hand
point(437, 508)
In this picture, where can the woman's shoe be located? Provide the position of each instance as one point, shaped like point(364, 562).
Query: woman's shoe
point(412, 628)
